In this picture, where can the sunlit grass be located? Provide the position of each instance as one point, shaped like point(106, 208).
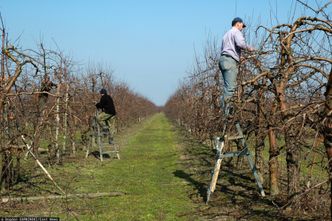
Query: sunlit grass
point(145, 174)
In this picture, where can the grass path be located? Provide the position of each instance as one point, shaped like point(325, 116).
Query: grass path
point(146, 173)
point(164, 174)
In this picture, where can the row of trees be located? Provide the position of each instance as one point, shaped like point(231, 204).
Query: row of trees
point(46, 104)
point(280, 99)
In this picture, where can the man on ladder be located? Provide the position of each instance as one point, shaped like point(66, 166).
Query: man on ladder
point(233, 43)
point(106, 118)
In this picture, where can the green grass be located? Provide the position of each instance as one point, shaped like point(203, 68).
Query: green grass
point(146, 173)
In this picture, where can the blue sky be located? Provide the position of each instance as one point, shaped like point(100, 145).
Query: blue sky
point(149, 44)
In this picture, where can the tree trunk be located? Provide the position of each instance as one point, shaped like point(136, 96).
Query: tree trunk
point(260, 137)
point(273, 163)
point(328, 130)
point(57, 126)
point(293, 167)
point(65, 119)
point(3, 41)
point(259, 162)
point(7, 179)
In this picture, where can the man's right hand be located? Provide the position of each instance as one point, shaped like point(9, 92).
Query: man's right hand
point(251, 49)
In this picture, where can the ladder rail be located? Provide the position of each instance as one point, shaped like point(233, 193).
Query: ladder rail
point(100, 143)
point(250, 161)
point(216, 170)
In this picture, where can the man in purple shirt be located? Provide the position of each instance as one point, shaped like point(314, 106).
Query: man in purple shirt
point(232, 44)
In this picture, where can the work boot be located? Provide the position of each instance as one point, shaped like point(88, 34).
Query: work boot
point(105, 131)
point(110, 141)
point(229, 110)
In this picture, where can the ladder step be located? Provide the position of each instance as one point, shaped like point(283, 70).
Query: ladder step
point(236, 137)
point(235, 154)
point(115, 151)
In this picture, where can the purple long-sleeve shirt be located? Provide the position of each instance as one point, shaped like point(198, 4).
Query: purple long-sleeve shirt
point(232, 43)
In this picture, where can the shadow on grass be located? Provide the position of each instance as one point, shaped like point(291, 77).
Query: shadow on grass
point(199, 186)
point(96, 154)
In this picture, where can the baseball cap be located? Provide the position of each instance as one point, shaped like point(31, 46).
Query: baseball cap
point(103, 91)
point(236, 20)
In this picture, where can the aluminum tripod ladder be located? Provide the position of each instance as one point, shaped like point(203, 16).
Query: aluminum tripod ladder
point(100, 138)
point(220, 144)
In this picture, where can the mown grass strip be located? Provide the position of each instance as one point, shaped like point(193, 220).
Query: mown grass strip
point(146, 174)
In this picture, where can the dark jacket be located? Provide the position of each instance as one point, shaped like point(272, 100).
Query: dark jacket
point(106, 105)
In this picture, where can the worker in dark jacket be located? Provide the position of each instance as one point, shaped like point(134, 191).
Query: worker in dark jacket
point(106, 118)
